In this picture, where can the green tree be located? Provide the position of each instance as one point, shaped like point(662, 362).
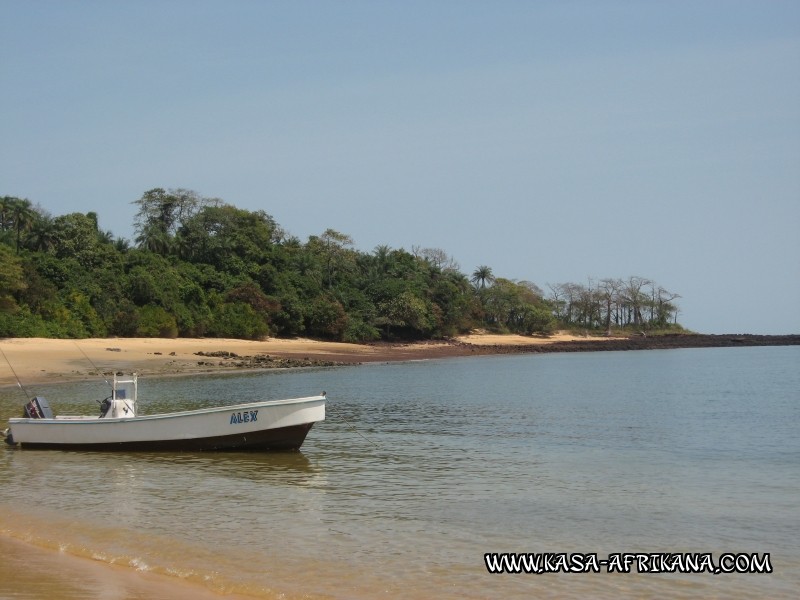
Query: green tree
point(76, 236)
point(125, 322)
point(231, 239)
point(334, 249)
point(154, 321)
point(249, 293)
point(12, 279)
point(407, 316)
point(452, 293)
point(161, 213)
point(237, 320)
point(515, 307)
point(82, 311)
point(326, 318)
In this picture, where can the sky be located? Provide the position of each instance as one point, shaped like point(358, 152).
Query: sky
point(553, 141)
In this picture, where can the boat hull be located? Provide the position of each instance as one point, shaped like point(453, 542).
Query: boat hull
point(261, 426)
point(269, 440)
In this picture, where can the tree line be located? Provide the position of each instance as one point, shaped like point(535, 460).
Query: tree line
point(202, 267)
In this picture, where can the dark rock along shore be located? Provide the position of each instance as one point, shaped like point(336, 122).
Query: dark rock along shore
point(407, 351)
point(659, 342)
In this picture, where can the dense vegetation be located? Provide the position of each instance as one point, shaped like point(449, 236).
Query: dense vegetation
point(201, 267)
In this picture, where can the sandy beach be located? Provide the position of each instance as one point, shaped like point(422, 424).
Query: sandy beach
point(39, 360)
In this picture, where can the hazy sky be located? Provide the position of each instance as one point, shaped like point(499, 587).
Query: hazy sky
point(553, 141)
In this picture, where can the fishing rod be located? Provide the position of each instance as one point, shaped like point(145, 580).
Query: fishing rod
point(19, 381)
point(93, 365)
point(113, 391)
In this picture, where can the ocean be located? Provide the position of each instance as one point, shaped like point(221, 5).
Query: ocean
point(425, 472)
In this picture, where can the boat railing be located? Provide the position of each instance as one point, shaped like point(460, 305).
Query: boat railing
point(125, 391)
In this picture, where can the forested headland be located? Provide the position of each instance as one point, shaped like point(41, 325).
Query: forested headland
point(200, 267)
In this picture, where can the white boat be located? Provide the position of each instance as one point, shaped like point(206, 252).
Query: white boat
point(255, 426)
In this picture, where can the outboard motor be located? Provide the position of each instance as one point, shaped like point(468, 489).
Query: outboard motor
point(38, 408)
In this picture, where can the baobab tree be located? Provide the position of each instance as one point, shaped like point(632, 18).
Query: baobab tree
point(608, 290)
point(634, 298)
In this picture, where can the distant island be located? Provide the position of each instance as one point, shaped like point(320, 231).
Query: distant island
point(199, 267)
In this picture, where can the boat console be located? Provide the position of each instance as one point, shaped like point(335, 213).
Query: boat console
point(122, 402)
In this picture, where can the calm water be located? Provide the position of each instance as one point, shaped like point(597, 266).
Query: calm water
point(423, 467)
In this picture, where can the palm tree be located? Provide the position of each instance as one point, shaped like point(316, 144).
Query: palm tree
point(381, 260)
point(121, 244)
point(105, 237)
point(23, 216)
point(41, 236)
point(156, 239)
point(482, 275)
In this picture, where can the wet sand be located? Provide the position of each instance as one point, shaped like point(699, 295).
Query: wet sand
point(30, 572)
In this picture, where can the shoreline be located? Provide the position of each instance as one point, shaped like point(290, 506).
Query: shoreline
point(45, 360)
point(71, 576)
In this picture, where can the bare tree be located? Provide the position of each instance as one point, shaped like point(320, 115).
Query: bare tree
point(437, 258)
point(665, 307)
point(532, 287)
point(635, 301)
point(608, 291)
point(557, 299)
point(634, 298)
